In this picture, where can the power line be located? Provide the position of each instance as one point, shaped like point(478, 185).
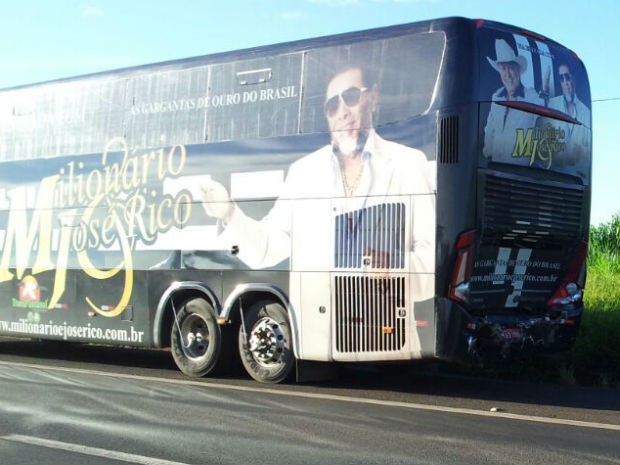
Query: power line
point(606, 99)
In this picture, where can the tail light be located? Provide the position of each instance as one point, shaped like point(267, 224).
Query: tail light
point(459, 286)
point(569, 290)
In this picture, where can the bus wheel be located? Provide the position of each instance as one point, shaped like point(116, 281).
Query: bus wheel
point(267, 355)
point(195, 338)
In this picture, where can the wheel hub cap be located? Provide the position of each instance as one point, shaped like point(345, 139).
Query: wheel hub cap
point(266, 341)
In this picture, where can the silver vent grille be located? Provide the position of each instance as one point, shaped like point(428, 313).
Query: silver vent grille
point(370, 313)
point(372, 237)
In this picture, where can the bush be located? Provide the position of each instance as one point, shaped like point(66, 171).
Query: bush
point(595, 359)
point(604, 246)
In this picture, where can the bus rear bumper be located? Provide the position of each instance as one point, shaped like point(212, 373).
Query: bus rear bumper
point(497, 336)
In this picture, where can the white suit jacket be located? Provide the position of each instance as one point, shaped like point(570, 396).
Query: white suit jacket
point(500, 132)
point(301, 223)
point(577, 137)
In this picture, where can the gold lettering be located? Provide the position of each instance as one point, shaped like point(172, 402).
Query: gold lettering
point(160, 165)
point(181, 163)
point(107, 230)
point(93, 184)
point(165, 205)
point(60, 278)
point(523, 145)
point(134, 217)
point(23, 239)
point(131, 179)
point(182, 208)
point(110, 204)
point(126, 264)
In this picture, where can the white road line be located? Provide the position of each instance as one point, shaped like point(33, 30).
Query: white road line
point(93, 451)
point(335, 397)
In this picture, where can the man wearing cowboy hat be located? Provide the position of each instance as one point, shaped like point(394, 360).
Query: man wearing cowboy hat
point(503, 122)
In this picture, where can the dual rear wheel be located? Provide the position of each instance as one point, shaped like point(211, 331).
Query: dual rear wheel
point(264, 341)
point(195, 339)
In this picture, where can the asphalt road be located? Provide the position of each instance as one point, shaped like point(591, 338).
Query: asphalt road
point(70, 404)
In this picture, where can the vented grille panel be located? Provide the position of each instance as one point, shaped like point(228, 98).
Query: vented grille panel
point(371, 237)
point(449, 140)
point(370, 313)
point(525, 213)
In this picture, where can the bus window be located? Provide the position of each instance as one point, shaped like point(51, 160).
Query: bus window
point(406, 67)
point(532, 111)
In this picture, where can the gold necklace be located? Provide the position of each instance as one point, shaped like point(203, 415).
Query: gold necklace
point(350, 188)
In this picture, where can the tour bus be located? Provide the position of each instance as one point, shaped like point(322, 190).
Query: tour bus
point(420, 191)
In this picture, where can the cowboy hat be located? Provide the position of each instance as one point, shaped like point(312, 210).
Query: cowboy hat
point(504, 53)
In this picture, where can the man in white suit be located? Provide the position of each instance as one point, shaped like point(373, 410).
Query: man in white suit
point(576, 136)
point(500, 132)
point(356, 170)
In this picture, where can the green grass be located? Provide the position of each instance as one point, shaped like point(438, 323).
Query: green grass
point(602, 290)
point(595, 359)
point(603, 282)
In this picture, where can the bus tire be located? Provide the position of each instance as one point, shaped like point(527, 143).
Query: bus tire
point(195, 338)
point(267, 356)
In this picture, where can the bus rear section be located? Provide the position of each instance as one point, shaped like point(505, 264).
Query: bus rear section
point(519, 269)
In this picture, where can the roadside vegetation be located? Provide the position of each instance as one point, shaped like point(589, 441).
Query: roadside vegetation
point(595, 359)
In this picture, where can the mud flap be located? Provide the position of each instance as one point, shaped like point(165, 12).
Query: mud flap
point(310, 371)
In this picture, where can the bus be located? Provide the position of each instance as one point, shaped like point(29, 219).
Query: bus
point(413, 192)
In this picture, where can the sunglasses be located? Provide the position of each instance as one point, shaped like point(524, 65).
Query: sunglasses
point(565, 77)
point(350, 97)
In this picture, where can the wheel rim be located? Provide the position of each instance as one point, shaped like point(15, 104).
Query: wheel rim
point(195, 336)
point(267, 342)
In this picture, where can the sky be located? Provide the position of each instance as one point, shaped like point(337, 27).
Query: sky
point(45, 40)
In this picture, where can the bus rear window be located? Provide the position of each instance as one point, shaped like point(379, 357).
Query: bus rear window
point(535, 103)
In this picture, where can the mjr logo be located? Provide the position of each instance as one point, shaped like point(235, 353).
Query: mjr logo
point(84, 208)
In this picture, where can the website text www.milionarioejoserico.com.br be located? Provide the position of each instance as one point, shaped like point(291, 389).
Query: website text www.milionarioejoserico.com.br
point(72, 332)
